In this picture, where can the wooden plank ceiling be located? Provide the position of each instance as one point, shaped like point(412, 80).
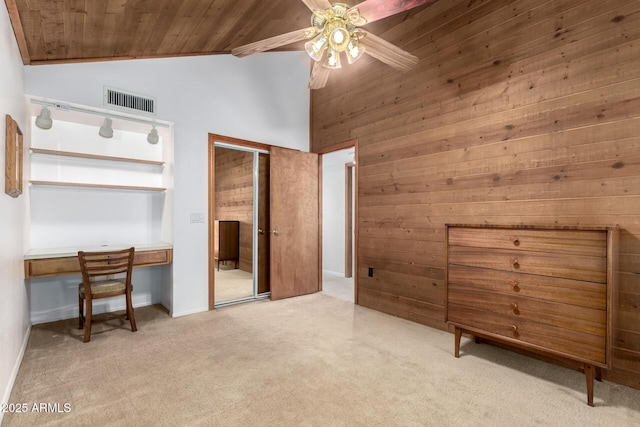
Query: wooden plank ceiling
point(87, 30)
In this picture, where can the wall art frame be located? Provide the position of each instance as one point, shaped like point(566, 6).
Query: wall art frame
point(13, 158)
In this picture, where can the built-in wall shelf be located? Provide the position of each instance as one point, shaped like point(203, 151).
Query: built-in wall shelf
point(94, 156)
point(85, 189)
point(88, 185)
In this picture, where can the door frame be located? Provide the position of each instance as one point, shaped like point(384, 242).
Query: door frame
point(351, 143)
point(213, 138)
point(349, 175)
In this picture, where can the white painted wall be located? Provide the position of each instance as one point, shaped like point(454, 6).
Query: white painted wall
point(333, 210)
point(263, 98)
point(14, 310)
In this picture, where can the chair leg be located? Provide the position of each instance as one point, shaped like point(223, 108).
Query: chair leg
point(87, 321)
point(80, 312)
point(132, 319)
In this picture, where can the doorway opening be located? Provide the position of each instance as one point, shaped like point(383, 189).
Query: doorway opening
point(338, 220)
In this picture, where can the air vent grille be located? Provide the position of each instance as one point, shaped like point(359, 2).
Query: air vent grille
point(129, 101)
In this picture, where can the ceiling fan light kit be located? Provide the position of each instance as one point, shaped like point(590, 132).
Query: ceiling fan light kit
point(336, 32)
point(335, 29)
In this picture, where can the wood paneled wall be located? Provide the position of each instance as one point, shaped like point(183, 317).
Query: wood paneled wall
point(234, 197)
point(519, 112)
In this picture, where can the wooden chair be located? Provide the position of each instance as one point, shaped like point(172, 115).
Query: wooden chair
point(104, 275)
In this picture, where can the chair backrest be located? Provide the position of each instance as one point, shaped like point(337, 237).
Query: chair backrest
point(107, 263)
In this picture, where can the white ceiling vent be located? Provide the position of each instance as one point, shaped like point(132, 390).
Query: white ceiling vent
point(128, 101)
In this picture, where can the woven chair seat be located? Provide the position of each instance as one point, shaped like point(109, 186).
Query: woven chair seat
point(104, 287)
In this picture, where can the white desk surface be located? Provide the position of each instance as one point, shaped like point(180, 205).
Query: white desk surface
point(73, 251)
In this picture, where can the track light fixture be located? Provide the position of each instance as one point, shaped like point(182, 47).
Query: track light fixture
point(106, 131)
point(43, 121)
point(153, 137)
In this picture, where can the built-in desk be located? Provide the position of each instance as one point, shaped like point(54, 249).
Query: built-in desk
point(63, 261)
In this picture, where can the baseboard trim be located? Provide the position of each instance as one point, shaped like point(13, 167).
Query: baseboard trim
point(186, 313)
point(14, 372)
point(333, 273)
point(71, 311)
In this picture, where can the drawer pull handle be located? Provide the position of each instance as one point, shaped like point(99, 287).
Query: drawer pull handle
point(515, 240)
point(514, 329)
point(514, 308)
point(514, 284)
point(514, 262)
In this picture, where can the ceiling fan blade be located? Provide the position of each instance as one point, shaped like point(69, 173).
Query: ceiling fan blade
point(388, 53)
point(319, 76)
point(317, 4)
point(274, 42)
point(373, 10)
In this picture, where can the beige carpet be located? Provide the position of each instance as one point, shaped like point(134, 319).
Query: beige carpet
point(314, 360)
point(232, 284)
point(337, 286)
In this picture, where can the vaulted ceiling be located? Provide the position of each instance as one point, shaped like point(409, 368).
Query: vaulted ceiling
point(50, 31)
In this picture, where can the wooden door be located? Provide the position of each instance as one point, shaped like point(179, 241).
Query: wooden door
point(294, 223)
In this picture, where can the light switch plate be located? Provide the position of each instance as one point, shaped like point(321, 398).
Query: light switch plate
point(196, 218)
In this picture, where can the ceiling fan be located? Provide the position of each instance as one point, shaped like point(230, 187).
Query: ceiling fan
point(336, 29)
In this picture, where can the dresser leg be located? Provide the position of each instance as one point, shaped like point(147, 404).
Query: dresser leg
point(457, 342)
point(598, 373)
point(588, 373)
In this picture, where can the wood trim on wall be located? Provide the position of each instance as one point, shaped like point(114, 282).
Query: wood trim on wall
point(14, 16)
point(348, 219)
point(240, 142)
point(338, 146)
point(212, 215)
point(320, 234)
point(356, 231)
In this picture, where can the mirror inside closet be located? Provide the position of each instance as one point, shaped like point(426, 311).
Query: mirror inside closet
point(241, 226)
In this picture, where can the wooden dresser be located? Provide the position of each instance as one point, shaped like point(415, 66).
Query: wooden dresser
point(543, 289)
point(226, 245)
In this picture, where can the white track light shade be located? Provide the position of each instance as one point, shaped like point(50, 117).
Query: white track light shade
point(43, 121)
point(106, 131)
point(153, 137)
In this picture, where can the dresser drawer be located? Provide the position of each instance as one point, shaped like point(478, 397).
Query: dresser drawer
point(543, 289)
point(567, 291)
point(560, 341)
point(515, 307)
point(575, 242)
point(576, 267)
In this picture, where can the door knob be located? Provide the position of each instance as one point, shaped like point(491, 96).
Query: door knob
point(260, 230)
point(275, 232)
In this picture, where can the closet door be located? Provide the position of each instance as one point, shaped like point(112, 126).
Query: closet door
point(294, 223)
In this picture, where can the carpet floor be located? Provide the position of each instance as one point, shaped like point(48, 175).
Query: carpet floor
point(232, 284)
point(314, 360)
